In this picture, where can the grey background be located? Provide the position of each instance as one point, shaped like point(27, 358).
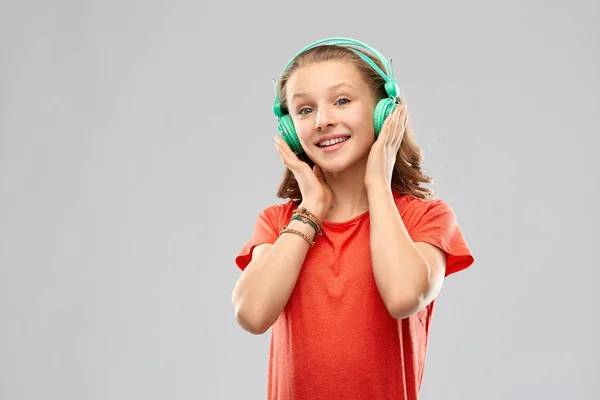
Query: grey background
point(136, 153)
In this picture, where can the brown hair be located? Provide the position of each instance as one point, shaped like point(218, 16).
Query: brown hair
point(407, 176)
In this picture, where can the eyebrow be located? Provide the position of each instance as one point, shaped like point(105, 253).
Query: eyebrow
point(331, 88)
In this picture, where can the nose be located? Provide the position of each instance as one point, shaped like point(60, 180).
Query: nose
point(324, 119)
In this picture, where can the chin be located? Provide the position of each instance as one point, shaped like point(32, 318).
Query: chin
point(339, 160)
point(334, 167)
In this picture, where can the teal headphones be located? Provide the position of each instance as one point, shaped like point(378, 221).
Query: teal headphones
point(384, 107)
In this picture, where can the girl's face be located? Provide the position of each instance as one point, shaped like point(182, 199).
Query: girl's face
point(332, 109)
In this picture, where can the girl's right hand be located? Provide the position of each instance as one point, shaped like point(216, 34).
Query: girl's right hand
point(317, 196)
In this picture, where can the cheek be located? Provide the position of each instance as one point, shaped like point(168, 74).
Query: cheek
point(363, 121)
point(303, 129)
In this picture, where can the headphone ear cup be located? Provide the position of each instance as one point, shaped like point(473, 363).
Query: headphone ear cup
point(288, 132)
point(383, 109)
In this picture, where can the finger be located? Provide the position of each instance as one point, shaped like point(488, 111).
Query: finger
point(319, 173)
point(400, 126)
point(385, 130)
point(283, 154)
point(395, 131)
point(284, 146)
point(289, 158)
point(404, 125)
point(389, 135)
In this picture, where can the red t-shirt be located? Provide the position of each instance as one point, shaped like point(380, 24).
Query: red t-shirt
point(335, 338)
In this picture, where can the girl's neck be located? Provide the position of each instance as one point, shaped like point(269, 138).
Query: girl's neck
point(349, 193)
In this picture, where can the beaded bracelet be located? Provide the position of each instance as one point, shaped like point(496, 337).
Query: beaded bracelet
point(306, 216)
point(296, 232)
point(306, 221)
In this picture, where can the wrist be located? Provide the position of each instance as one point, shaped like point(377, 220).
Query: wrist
point(318, 208)
point(378, 188)
point(305, 228)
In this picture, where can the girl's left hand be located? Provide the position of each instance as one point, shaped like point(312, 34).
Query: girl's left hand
point(382, 157)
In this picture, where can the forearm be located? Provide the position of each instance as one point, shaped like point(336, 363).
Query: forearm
point(400, 270)
point(267, 283)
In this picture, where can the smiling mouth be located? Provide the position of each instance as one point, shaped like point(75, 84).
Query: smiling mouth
point(332, 142)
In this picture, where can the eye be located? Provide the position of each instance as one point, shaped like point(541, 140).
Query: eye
point(306, 110)
point(301, 111)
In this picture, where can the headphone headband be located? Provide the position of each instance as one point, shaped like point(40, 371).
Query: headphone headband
point(348, 42)
point(391, 86)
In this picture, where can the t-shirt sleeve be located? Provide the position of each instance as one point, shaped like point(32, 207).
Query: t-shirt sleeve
point(266, 230)
point(438, 226)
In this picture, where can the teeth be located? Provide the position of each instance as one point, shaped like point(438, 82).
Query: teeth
point(333, 141)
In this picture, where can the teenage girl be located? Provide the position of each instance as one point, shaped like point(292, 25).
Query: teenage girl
point(346, 272)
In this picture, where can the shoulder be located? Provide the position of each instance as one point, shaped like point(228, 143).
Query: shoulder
point(414, 210)
point(433, 221)
point(266, 230)
point(275, 214)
